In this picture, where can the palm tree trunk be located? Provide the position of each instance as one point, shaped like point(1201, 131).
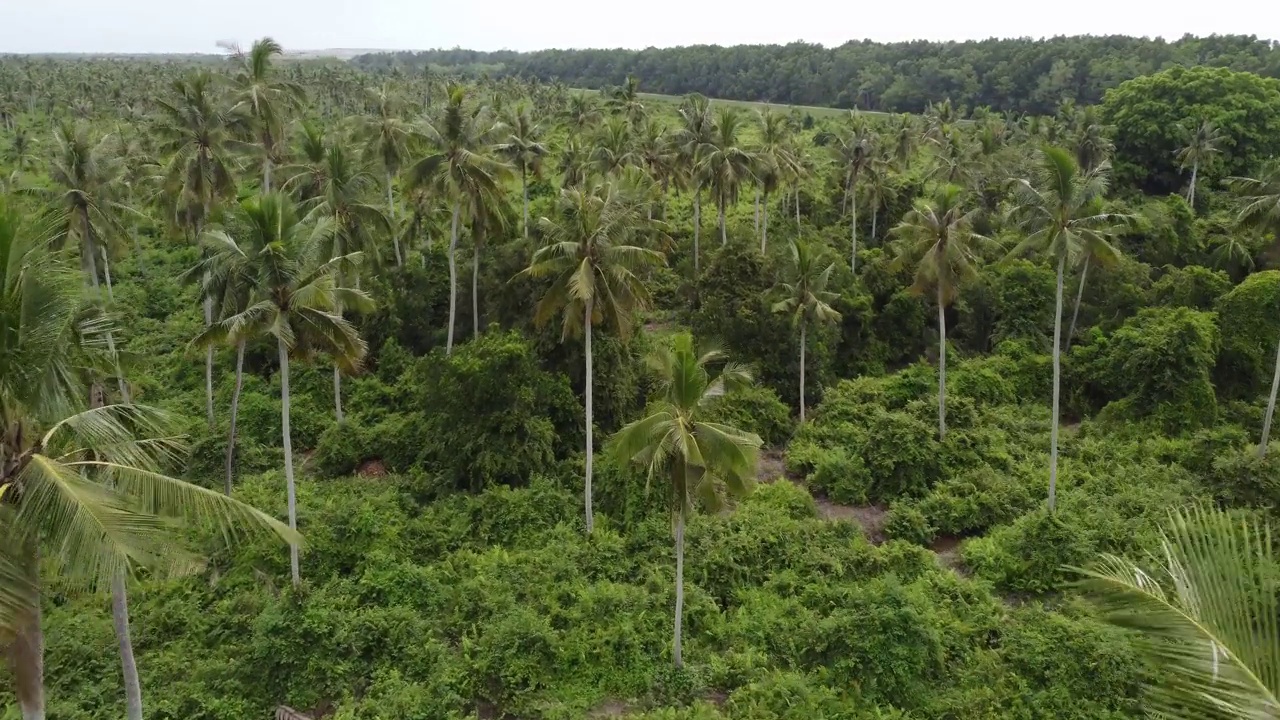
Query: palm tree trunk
point(875, 212)
point(803, 341)
point(853, 237)
point(475, 289)
point(757, 209)
point(524, 192)
point(106, 273)
point(590, 414)
point(697, 226)
point(337, 395)
point(453, 278)
point(1271, 407)
point(391, 213)
point(288, 458)
point(26, 662)
point(1057, 377)
point(1191, 192)
point(266, 175)
point(942, 367)
point(120, 618)
point(235, 412)
point(797, 207)
point(724, 237)
point(1075, 314)
point(764, 226)
point(677, 651)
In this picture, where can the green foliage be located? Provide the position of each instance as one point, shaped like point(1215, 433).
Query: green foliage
point(1193, 286)
point(755, 409)
point(1151, 115)
point(1250, 326)
point(908, 522)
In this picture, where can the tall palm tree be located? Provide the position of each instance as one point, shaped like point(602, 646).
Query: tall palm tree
point(582, 112)
point(696, 460)
point(614, 147)
point(691, 140)
point(905, 138)
point(937, 237)
point(625, 100)
point(296, 300)
point(1203, 609)
point(879, 189)
point(523, 148)
point(1093, 147)
point(806, 298)
point(196, 138)
point(726, 164)
point(461, 166)
point(263, 100)
point(773, 163)
point(594, 258)
point(1261, 211)
point(656, 153)
point(1060, 210)
point(1097, 250)
point(575, 161)
point(1204, 142)
point(387, 137)
point(82, 493)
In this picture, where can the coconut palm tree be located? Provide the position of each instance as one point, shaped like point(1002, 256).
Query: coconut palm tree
point(82, 492)
point(852, 150)
point(1202, 609)
point(691, 140)
point(697, 461)
point(656, 153)
point(906, 135)
point(625, 100)
point(296, 300)
point(582, 112)
point(614, 147)
point(594, 256)
point(937, 237)
point(196, 139)
point(1204, 142)
point(1060, 211)
point(460, 166)
point(726, 164)
point(523, 148)
point(1093, 147)
point(387, 137)
point(773, 163)
point(806, 298)
point(1261, 211)
point(263, 101)
point(575, 161)
point(1096, 249)
point(879, 189)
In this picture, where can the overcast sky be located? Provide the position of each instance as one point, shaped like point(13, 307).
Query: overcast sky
point(186, 26)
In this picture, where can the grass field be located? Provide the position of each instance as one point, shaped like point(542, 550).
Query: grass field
point(813, 110)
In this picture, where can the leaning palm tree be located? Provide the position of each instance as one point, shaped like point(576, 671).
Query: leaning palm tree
point(937, 237)
point(806, 298)
point(297, 301)
point(196, 141)
point(1203, 610)
point(1060, 210)
point(1261, 211)
point(1096, 250)
point(460, 165)
point(726, 164)
point(82, 492)
point(387, 137)
point(1204, 142)
point(523, 148)
point(594, 258)
point(697, 461)
point(263, 101)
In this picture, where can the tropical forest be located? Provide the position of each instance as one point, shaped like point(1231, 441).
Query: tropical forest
point(915, 381)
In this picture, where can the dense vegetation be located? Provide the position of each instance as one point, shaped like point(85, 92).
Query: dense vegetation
point(589, 405)
point(1018, 75)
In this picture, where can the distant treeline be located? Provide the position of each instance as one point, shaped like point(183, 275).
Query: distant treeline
point(1023, 75)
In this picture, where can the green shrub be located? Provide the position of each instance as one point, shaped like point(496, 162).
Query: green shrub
point(1249, 317)
point(786, 695)
point(756, 409)
point(905, 521)
point(977, 500)
point(1031, 554)
point(1242, 478)
point(843, 476)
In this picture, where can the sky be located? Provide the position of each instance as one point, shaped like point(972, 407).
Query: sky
point(138, 26)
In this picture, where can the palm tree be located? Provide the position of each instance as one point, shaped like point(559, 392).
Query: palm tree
point(773, 163)
point(1204, 143)
point(1097, 250)
point(878, 187)
point(582, 111)
point(574, 165)
point(296, 300)
point(694, 457)
point(264, 99)
point(594, 258)
point(1060, 210)
point(905, 137)
point(523, 148)
point(345, 224)
point(1261, 196)
point(460, 166)
point(195, 136)
point(625, 100)
point(614, 147)
point(806, 298)
point(725, 164)
point(691, 140)
point(82, 488)
point(656, 153)
point(387, 137)
point(937, 236)
point(1093, 147)
point(1203, 610)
